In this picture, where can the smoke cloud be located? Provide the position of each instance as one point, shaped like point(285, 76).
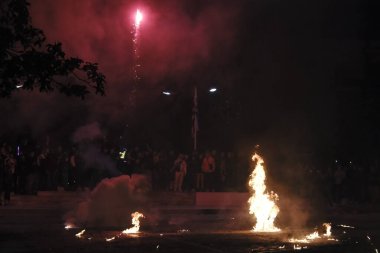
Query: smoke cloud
point(277, 61)
point(111, 203)
point(87, 132)
point(174, 38)
point(176, 42)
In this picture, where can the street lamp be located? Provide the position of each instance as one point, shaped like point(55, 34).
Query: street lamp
point(166, 93)
point(212, 89)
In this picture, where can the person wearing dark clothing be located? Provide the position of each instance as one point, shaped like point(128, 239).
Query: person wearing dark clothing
point(20, 184)
point(42, 169)
point(208, 167)
point(32, 174)
point(72, 171)
point(192, 169)
point(51, 171)
point(1, 179)
point(9, 170)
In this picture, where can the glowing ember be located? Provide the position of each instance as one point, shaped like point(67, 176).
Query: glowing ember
point(69, 226)
point(345, 226)
point(262, 204)
point(135, 222)
point(110, 239)
point(79, 235)
point(183, 231)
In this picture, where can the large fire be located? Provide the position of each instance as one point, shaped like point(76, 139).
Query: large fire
point(262, 204)
point(135, 222)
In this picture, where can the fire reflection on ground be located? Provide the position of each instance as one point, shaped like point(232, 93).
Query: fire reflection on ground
point(230, 241)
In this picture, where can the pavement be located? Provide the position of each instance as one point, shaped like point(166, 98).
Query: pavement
point(36, 224)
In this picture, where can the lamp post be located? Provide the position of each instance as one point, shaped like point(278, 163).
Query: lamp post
point(194, 111)
point(194, 119)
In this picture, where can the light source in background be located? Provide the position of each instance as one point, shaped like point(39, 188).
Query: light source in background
point(212, 90)
point(167, 92)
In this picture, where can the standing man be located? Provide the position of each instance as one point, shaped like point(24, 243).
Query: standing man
point(180, 166)
point(208, 167)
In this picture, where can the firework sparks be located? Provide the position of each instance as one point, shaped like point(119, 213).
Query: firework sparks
point(136, 32)
point(136, 66)
point(138, 18)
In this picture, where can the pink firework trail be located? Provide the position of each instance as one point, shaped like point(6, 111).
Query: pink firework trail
point(136, 32)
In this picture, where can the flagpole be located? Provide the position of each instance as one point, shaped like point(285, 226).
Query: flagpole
point(195, 127)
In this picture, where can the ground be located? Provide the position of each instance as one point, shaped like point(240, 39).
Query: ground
point(36, 224)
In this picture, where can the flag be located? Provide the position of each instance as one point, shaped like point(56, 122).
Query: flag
point(195, 126)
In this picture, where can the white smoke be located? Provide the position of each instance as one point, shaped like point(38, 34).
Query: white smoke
point(90, 131)
point(111, 203)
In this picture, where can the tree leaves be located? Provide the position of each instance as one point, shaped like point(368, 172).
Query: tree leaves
point(28, 63)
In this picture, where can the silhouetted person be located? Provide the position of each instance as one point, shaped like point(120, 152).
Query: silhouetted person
point(208, 167)
point(21, 178)
point(9, 170)
point(199, 175)
point(72, 170)
point(32, 173)
point(180, 167)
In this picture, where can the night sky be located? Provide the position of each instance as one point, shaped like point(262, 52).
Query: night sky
point(294, 76)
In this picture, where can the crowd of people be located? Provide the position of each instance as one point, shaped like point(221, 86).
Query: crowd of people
point(27, 167)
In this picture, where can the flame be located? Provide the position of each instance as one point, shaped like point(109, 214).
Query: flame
point(138, 18)
point(315, 235)
point(135, 222)
point(328, 229)
point(304, 240)
point(262, 204)
point(79, 235)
